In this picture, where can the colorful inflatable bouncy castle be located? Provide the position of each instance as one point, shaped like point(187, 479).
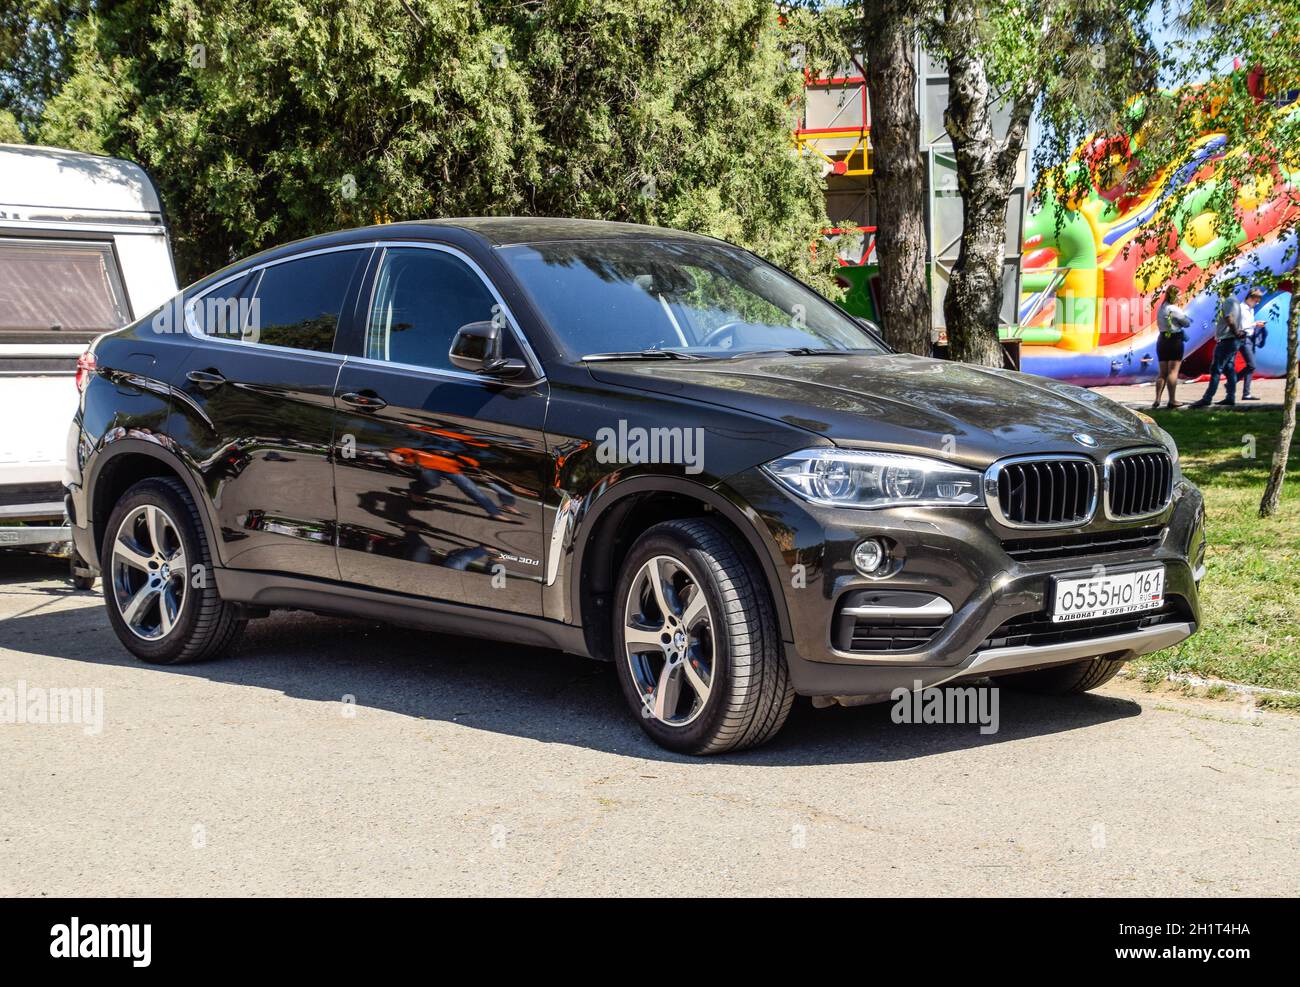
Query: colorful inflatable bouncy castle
point(1089, 286)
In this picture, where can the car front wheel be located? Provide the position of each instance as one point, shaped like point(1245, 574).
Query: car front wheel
point(696, 641)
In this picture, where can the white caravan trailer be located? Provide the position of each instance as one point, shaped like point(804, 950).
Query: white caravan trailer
point(83, 250)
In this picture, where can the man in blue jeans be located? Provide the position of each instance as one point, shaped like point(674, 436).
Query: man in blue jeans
point(1234, 333)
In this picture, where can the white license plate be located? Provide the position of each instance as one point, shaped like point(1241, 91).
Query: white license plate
point(1107, 594)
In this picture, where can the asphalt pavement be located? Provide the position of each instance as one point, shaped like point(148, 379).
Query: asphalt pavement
point(332, 757)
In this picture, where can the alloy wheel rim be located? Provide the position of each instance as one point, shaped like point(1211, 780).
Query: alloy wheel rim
point(148, 572)
point(668, 641)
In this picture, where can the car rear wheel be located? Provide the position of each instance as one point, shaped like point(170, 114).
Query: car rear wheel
point(1062, 680)
point(158, 588)
point(697, 646)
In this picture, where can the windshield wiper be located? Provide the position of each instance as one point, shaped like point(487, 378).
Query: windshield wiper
point(797, 351)
point(643, 355)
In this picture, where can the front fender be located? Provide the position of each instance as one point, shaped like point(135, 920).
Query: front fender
point(576, 540)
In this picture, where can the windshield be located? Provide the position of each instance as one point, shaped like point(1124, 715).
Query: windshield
point(611, 296)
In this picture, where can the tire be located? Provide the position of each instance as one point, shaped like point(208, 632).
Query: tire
point(79, 574)
point(198, 624)
point(747, 689)
point(1063, 680)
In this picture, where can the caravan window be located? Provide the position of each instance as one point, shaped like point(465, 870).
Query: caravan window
point(69, 285)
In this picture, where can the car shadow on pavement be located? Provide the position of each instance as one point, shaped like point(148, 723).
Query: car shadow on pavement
point(17, 568)
point(523, 691)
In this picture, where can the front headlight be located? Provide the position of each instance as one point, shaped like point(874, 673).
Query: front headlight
point(1167, 440)
point(848, 478)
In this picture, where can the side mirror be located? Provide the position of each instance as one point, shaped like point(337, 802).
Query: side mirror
point(873, 330)
point(477, 348)
point(871, 327)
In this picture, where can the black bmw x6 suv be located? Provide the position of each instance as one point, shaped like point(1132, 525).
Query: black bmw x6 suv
point(630, 443)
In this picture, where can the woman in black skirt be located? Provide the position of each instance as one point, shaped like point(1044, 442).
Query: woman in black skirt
point(1172, 322)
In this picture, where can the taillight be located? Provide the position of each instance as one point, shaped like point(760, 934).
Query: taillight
point(85, 367)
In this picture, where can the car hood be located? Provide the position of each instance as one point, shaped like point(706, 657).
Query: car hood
point(963, 413)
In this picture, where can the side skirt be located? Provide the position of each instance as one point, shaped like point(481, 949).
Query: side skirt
point(279, 591)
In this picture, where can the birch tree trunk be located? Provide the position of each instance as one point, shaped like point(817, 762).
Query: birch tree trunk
point(899, 178)
point(986, 170)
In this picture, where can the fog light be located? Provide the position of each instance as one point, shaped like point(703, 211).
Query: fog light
point(870, 556)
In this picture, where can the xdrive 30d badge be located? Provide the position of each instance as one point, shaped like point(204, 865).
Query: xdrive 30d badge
point(640, 445)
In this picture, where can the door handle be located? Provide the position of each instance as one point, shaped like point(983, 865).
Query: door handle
point(205, 379)
point(363, 400)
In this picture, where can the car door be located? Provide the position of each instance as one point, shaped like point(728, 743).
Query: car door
point(256, 409)
point(438, 473)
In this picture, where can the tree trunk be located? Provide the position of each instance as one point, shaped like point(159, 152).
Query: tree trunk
point(899, 177)
point(973, 302)
point(1273, 489)
point(986, 169)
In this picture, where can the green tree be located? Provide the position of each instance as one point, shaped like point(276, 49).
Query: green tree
point(266, 122)
point(1255, 108)
point(35, 39)
point(10, 131)
point(83, 113)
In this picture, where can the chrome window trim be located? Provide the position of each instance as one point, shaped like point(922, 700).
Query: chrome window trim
point(192, 326)
point(1107, 472)
point(368, 361)
point(535, 365)
point(512, 324)
point(995, 508)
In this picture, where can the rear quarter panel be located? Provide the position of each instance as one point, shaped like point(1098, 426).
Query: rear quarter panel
point(126, 403)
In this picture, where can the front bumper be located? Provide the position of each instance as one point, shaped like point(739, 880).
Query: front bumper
point(960, 557)
point(1131, 645)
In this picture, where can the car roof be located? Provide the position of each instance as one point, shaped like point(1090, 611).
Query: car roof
point(499, 231)
point(496, 231)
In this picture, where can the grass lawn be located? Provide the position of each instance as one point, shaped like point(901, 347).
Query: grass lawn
point(1250, 599)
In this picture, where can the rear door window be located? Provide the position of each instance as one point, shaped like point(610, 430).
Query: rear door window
point(297, 303)
point(53, 286)
point(224, 311)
